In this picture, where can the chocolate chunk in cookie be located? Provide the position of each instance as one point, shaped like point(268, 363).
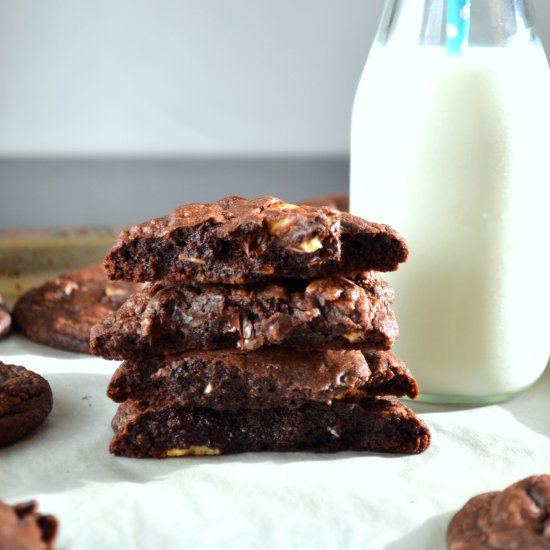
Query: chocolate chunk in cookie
point(518, 518)
point(239, 241)
point(23, 528)
point(231, 380)
point(25, 402)
point(372, 424)
point(329, 313)
point(60, 312)
point(5, 320)
point(338, 202)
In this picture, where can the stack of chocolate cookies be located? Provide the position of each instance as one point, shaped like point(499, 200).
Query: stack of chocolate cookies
point(262, 326)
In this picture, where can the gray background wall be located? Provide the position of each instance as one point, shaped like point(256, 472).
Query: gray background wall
point(208, 77)
point(237, 96)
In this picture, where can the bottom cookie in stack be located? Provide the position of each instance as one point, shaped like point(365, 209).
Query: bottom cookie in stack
point(222, 402)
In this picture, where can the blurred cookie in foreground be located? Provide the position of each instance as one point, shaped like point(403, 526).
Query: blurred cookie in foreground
point(517, 517)
point(5, 319)
point(61, 312)
point(25, 402)
point(23, 528)
point(338, 202)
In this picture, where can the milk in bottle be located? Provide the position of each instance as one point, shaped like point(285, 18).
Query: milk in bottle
point(453, 150)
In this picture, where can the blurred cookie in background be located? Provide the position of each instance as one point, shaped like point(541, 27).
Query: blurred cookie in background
point(61, 312)
point(338, 202)
point(5, 319)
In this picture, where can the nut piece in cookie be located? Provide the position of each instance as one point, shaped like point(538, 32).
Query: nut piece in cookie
point(5, 320)
point(517, 517)
point(23, 528)
point(60, 312)
point(240, 241)
point(25, 402)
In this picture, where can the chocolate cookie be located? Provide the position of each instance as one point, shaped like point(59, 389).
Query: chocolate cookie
point(372, 424)
point(330, 313)
point(231, 380)
point(239, 241)
point(5, 320)
point(23, 528)
point(338, 202)
point(516, 518)
point(389, 376)
point(25, 402)
point(60, 312)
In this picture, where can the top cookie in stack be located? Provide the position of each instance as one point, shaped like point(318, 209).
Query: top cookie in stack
point(267, 284)
point(239, 241)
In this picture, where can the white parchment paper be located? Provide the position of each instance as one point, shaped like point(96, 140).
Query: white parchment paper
point(263, 501)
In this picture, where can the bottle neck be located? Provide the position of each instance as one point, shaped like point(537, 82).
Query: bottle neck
point(497, 23)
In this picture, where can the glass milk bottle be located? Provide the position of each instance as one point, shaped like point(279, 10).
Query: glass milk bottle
point(450, 144)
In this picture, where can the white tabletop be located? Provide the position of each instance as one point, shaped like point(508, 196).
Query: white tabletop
point(264, 501)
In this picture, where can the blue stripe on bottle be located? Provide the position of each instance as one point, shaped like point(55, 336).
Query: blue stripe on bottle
point(458, 26)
